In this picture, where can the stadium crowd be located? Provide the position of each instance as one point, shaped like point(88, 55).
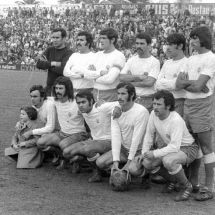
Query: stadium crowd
point(123, 113)
point(25, 31)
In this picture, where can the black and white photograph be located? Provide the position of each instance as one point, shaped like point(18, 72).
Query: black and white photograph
point(107, 107)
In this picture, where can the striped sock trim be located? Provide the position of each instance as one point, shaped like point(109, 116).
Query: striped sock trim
point(186, 194)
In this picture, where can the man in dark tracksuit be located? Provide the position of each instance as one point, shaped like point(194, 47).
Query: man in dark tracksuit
point(54, 58)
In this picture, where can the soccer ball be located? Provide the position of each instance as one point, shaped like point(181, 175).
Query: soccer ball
point(120, 180)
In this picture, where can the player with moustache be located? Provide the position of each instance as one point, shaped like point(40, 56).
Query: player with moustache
point(80, 61)
point(142, 71)
point(71, 121)
point(127, 131)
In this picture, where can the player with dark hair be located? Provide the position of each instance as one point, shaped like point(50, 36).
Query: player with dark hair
point(127, 130)
point(88, 37)
point(198, 81)
point(144, 36)
point(45, 109)
point(204, 35)
point(40, 89)
point(61, 30)
point(80, 61)
point(110, 33)
point(177, 39)
point(46, 114)
point(167, 97)
point(71, 121)
point(130, 90)
point(68, 93)
point(99, 121)
point(142, 71)
point(179, 147)
point(54, 58)
point(170, 70)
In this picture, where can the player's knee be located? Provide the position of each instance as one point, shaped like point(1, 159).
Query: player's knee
point(63, 144)
point(41, 143)
point(101, 163)
point(135, 169)
point(168, 163)
point(206, 149)
point(85, 151)
point(66, 152)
